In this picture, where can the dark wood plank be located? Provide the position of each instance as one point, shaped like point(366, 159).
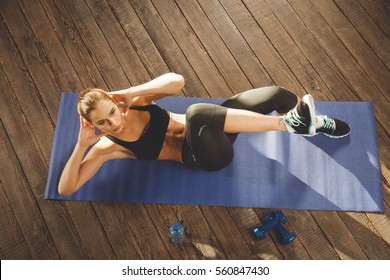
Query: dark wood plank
point(192, 47)
point(90, 230)
point(13, 245)
point(57, 64)
point(310, 233)
point(18, 191)
point(366, 235)
point(273, 64)
point(375, 37)
point(118, 231)
point(21, 78)
point(96, 43)
point(139, 226)
point(152, 39)
point(379, 11)
point(215, 47)
point(226, 231)
point(339, 235)
point(121, 47)
point(87, 72)
point(32, 45)
point(235, 42)
point(386, 180)
point(354, 43)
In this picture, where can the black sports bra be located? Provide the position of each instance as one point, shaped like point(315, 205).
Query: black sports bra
point(149, 145)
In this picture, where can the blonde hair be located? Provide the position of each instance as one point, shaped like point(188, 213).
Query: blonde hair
point(88, 100)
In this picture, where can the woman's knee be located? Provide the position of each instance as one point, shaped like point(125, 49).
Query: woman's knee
point(206, 114)
point(282, 91)
point(267, 99)
point(277, 92)
point(195, 111)
point(286, 99)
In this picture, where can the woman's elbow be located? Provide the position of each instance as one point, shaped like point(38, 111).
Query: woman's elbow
point(62, 190)
point(180, 81)
point(177, 82)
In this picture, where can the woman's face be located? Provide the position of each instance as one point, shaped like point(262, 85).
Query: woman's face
point(107, 117)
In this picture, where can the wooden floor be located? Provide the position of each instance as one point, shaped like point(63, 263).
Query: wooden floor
point(338, 50)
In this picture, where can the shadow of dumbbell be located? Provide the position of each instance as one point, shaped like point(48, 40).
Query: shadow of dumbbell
point(275, 220)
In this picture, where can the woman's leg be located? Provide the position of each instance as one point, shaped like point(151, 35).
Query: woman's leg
point(267, 99)
point(264, 100)
point(212, 129)
point(247, 112)
point(261, 101)
point(238, 120)
point(207, 146)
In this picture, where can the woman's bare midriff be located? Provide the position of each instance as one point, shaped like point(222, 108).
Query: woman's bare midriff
point(174, 138)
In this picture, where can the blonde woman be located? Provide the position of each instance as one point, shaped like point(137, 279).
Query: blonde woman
point(133, 126)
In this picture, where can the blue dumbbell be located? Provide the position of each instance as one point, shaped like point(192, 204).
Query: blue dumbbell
point(285, 236)
point(269, 222)
point(275, 219)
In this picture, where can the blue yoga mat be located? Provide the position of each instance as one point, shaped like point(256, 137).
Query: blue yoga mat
point(269, 170)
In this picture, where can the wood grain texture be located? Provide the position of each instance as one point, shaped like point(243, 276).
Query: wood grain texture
point(335, 49)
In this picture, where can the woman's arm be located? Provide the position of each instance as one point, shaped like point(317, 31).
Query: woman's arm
point(160, 87)
point(77, 171)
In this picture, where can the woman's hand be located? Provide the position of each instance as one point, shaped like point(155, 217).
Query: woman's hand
point(87, 134)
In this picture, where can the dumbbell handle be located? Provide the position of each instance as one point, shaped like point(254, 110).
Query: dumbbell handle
point(261, 231)
point(270, 224)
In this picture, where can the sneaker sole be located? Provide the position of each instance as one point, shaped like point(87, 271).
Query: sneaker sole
point(309, 100)
point(333, 136)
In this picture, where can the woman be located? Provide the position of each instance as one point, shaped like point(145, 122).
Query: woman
point(133, 126)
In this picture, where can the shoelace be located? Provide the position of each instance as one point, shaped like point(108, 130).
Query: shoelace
point(329, 123)
point(292, 118)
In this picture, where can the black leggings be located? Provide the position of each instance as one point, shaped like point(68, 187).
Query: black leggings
point(207, 146)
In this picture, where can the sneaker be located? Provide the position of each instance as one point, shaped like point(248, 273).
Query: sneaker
point(333, 128)
point(300, 119)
